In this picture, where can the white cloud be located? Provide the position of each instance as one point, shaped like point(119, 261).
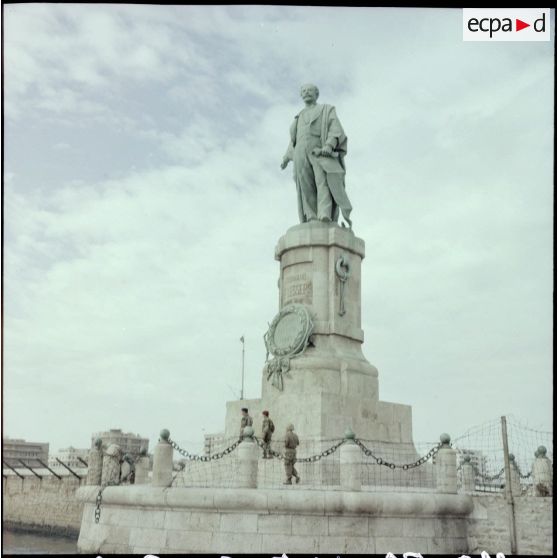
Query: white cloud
point(127, 290)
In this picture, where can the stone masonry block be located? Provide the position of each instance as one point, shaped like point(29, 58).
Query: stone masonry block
point(114, 548)
point(449, 527)
point(310, 525)
point(141, 536)
point(394, 432)
point(280, 524)
point(117, 534)
point(347, 545)
point(176, 519)
point(418, 527)
point(236, 543)
point(239, 523)
point(401, 544)
point(154, 519)
point(203, 521)
point(385, 526)
point(447, 545)
point(349, 526)
point(143, 550)
point(187, 542)
point(127, 517)
point(290, 544)
point(385, 411)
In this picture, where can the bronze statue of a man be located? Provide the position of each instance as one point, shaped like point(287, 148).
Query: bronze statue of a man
point(318, 146)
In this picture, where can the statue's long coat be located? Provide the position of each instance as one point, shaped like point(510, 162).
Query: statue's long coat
point(331, 133)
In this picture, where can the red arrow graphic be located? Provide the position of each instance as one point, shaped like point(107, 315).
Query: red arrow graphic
point(519, 25)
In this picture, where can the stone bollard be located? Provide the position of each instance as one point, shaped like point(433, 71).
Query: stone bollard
point(111, 465)
point(247, 460)
point(142, 468)
point(350, 460)
point(446, 467)
point(95, 469)
point(162, 461)
point(515, 478)
point(542, 473)
point(467, 475)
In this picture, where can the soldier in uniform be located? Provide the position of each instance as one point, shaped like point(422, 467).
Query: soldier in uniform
point(246, 420)
point(127, 470)
point(291, 443)
point(267, 431)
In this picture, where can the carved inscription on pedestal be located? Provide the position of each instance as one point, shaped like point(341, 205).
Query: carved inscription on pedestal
point(297, 287)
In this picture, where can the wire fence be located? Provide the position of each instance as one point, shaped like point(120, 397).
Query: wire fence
point(398, 467)
point(483, 447)
point(384, 466)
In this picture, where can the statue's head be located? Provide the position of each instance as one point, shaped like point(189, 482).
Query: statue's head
point(309, 91)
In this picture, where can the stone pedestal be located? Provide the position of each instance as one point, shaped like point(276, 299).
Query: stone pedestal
point(95, 471)
point(142, 470)
point(542, 474)
point(467, 477)
point(446, 468)
point(331, 386)
point(351, 466)
point(162, 464)
point(248, 455)
point(111, 465)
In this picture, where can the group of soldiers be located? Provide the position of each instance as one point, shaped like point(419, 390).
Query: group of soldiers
point(268, 428)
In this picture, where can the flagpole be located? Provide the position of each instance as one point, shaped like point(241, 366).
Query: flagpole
point(242, 385)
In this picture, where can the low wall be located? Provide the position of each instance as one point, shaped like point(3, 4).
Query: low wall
point(489, 525)
point(46, 505)
point(147, 520)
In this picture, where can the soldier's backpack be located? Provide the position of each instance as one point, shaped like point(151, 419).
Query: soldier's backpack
point(271, 426)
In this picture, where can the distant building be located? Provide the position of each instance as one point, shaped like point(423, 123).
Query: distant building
point(213, 442)
point(70, 456)
point(15, 449)
point(129, 442)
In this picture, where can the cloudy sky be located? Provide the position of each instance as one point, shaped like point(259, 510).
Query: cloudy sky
point(143, 200)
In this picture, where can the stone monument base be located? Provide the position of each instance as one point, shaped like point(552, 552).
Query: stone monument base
point(149, 520)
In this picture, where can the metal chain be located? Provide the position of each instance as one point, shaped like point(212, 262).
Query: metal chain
point(261, 443)
point(405, 466)
point(521, 475)
point(212, 457)
point(488, 477)
point(98, 502)
point(324, 453)
point(310, 459)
